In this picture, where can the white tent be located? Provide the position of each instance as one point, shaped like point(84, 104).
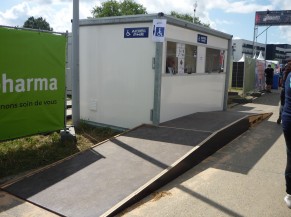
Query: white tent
point(242, 59)
point(255, 57)
point(260, 57)
point(276, 62)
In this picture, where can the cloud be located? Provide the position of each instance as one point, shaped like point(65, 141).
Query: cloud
point(61, 22)
point(240, 7)
point(204, 8)
point(282, 4)
point(285, 34)
point(57, 12)
point(14, 15)
point(223, 22)
point(60, 12)
point(66, 14)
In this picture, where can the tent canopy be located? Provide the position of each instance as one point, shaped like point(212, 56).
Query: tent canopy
point(242, 59)
point(260, 57)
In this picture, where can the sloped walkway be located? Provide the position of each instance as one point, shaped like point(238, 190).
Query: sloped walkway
point(101, 180)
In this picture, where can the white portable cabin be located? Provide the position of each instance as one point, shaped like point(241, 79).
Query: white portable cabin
point(128, 79)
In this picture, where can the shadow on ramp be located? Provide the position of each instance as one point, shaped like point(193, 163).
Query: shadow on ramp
point(130, 166)
point(53, 175)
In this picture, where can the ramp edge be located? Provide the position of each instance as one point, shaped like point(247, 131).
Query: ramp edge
point(196, 155)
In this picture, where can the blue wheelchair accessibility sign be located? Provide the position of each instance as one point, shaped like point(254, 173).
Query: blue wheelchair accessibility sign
point(160, 32)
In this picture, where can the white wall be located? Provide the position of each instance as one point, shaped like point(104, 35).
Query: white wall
point(190, 36)
point(186, 94)
point(183, 95)
point(116, 76)
point(201, 58)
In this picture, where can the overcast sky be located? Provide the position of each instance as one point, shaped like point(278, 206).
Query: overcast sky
point(229, 16)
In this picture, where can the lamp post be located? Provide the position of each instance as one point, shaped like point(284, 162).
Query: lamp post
point(268, 12)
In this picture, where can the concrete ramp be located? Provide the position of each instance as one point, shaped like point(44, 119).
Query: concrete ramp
point(114, 175)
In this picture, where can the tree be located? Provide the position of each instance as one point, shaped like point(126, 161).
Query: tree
point(115, 8)
point(38, 23)
point(189, 18)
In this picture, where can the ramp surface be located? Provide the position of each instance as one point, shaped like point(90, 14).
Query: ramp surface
point(103, 179)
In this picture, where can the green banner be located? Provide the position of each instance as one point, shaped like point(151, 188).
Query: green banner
point(32, 83)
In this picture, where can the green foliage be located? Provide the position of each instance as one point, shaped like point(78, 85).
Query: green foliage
point(114, 8)
point(188, 18)
point(38, 23)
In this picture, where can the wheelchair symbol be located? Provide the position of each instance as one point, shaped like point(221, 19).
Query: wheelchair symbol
point(127, 33)
point(160, 32)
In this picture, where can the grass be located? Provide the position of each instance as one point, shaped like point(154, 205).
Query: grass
point(19, 156)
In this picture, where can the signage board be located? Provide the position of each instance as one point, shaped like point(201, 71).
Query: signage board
point(202, 39)
point(141, 32)
point(32, 83)
point(273, 18)
point(159, 29)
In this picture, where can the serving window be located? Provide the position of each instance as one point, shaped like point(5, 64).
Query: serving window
point(181, 58)
point(214, 60)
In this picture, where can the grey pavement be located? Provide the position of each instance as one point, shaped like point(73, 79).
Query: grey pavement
point(11, 206)
point(244, 178)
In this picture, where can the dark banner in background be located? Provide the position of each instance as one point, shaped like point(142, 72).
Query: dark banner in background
point(273, 18)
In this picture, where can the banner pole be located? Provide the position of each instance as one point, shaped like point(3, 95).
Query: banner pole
point(75, 74)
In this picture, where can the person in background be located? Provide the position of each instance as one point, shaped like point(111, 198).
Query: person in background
point(281, 74)
point(282, 102)
point(269, 74)
point(171, 66)
point(286, 125)
point(282, 94)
